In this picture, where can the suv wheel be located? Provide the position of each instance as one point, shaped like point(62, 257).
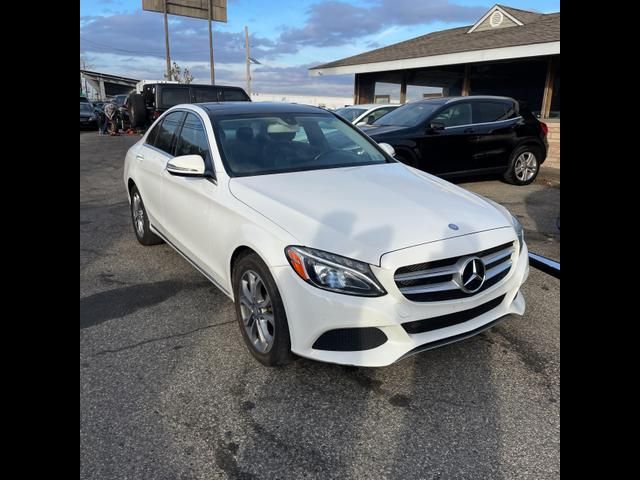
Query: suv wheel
point(524, 165)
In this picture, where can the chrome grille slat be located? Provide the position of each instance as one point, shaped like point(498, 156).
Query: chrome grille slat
point(434, 287)
point(419, 283)
point(494, 257)
point(492, 272)
point(434, 272)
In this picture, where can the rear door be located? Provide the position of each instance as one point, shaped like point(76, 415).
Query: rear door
point(151, 162)
point(494, 124)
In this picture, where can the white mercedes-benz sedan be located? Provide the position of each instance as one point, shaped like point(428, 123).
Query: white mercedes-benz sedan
point(330, 248)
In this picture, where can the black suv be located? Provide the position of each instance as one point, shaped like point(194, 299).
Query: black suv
point(156, 98)
point(455, 136)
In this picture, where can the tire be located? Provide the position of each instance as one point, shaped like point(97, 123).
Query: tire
point(254, 307)
point(137, 111)
point(524, 165)
point(140, 220)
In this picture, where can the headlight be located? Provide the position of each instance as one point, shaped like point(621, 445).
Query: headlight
point(334, 272)
point(519, 232)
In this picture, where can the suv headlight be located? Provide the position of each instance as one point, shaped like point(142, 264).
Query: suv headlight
point(519, 232)
point(334, 272)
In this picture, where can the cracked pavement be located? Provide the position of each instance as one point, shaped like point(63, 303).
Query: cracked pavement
point(169, 391)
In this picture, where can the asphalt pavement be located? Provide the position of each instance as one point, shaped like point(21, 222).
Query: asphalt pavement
point(169, 391)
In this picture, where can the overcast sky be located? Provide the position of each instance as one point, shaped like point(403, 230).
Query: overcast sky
point(286, 36)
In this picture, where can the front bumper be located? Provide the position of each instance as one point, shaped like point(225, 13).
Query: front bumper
point(311, 311)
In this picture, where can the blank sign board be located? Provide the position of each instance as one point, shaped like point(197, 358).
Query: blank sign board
point(189, 8)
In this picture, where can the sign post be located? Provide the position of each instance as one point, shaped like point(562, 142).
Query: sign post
point(210, 10)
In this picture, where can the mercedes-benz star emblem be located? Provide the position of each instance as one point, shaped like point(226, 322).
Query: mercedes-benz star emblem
point(472, 275)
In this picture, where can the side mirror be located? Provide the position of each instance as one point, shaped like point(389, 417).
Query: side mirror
point(436, 126)
point(186, 166)
point(362, 123)
point(388, 149)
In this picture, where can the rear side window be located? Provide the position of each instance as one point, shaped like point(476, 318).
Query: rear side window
point(485, 112)
point(205, 95)
point(454, 116)
point(174, 96)
point(233, 95)
point(166, 133)
point(193, 139)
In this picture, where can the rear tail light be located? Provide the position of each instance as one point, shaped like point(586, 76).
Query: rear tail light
point(545, 128)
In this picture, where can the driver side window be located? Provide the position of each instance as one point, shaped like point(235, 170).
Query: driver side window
point(454, 116)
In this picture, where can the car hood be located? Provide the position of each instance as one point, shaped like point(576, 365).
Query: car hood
point(374, 130)
point(364, 212)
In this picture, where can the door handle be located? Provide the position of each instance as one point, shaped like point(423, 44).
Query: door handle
point(139, 157)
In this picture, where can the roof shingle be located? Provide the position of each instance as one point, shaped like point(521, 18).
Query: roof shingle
point(537, 28)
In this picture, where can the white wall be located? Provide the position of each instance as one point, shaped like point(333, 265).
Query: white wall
point(315, 100)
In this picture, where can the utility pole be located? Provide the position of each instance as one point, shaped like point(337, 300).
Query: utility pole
point(213, 82)
point(246, 47)
point(166, 41)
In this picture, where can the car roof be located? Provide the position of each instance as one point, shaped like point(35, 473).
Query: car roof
point(187, 85)
point(369, 106)
point(233, 108)
point(443, 100)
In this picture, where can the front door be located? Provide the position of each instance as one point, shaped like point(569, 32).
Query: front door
point(190, 202)
point(447, 150)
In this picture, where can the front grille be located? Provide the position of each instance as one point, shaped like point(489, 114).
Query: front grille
point(435, 323)
point(436, 281)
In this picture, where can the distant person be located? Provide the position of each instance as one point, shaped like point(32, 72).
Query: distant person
point(110, 110)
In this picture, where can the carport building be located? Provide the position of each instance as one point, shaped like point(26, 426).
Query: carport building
point(507, 52)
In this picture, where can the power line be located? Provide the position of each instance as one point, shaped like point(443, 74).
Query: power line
point(102, 45)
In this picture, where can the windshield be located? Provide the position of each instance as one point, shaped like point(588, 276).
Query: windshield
point(260, 144)
point(408, 115)
point(119, 99)
point(350, 113)
point(85, 107)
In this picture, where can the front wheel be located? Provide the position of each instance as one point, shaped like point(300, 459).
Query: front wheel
point(260, 312)
point(523, 166)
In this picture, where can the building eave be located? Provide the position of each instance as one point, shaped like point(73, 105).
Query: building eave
point(470, 56)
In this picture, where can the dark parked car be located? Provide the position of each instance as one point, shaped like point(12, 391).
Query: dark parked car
point(156, 98)
point(454, 136)
point(88, 118)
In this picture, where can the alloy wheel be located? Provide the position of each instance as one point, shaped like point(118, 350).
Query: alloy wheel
point(256, 311)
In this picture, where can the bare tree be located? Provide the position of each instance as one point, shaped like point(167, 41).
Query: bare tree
point(177, 74)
